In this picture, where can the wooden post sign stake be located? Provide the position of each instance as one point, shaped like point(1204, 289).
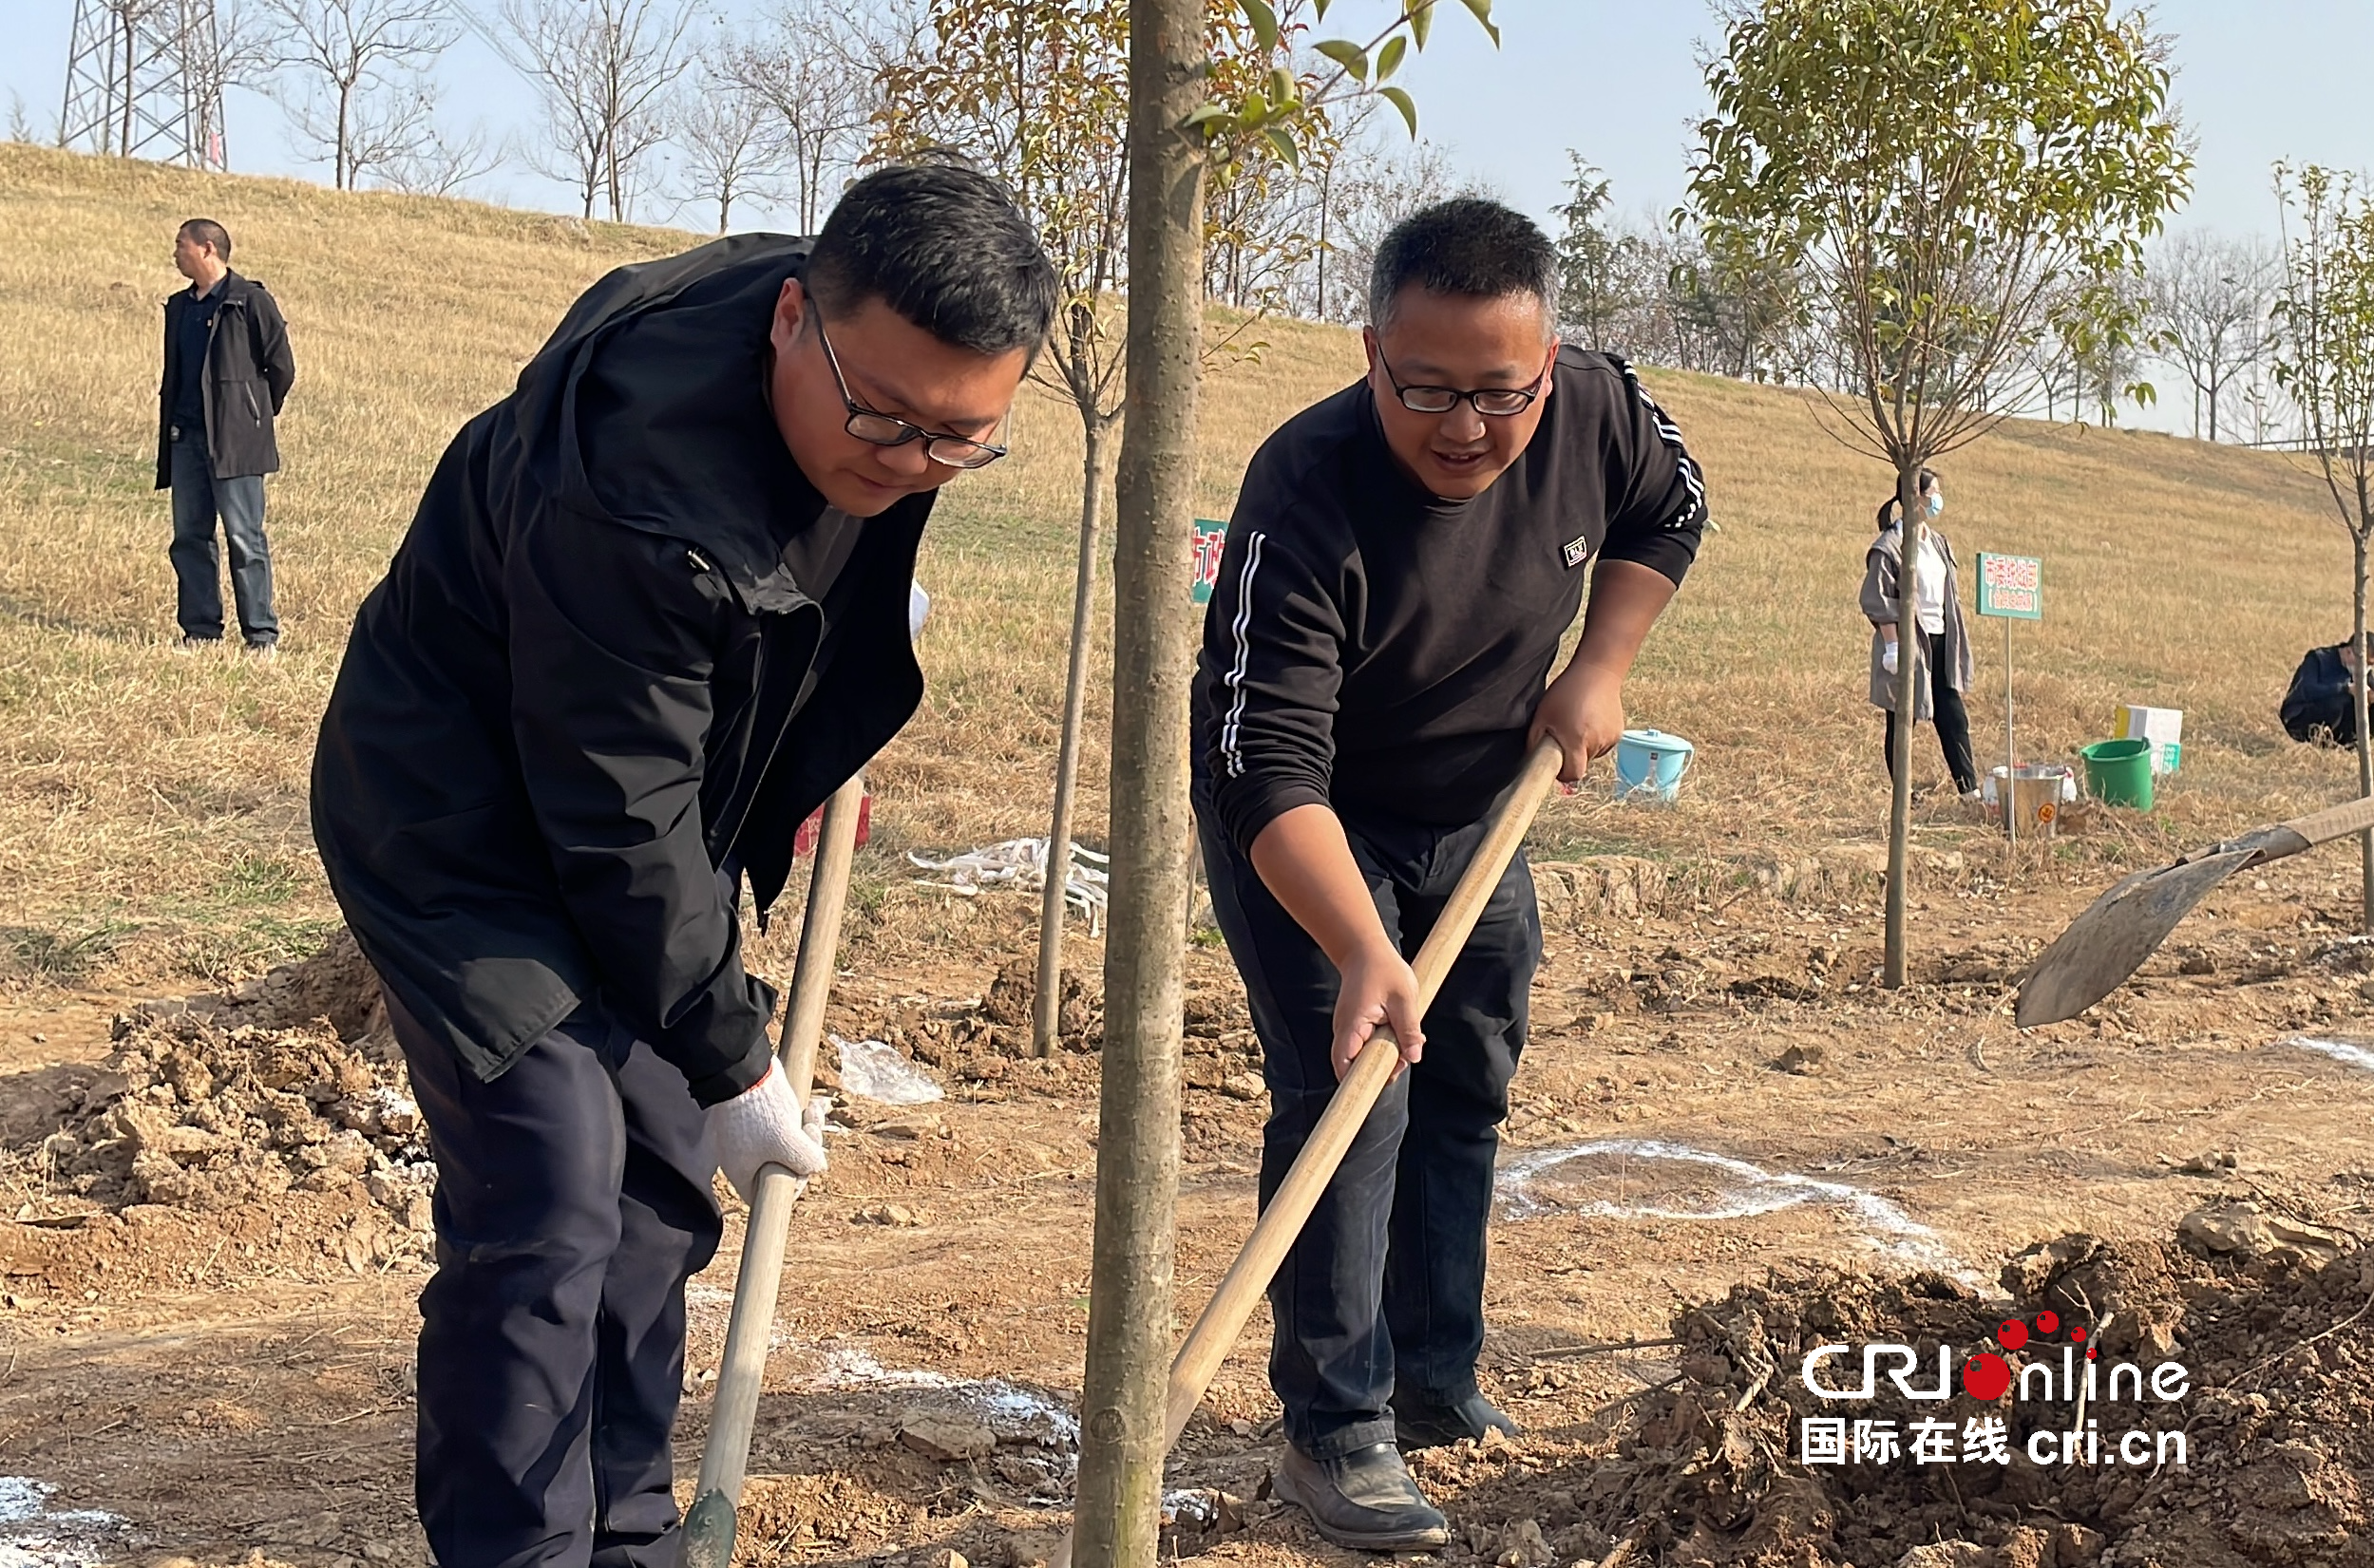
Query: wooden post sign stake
point(2011, 588)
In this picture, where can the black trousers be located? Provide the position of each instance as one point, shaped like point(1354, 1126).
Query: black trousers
point(1953, 720)
point(1385, 1289)
point(573, 1203)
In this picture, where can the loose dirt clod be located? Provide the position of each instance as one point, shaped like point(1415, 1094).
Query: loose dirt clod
point(1079, 1020)
point(2266, 1314)
point(947, 1439)
point(336, 985)
point(188, 1114)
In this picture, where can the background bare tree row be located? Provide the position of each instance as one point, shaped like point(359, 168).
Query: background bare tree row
point(660, 110)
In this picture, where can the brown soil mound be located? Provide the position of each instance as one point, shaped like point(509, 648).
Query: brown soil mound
point(980, 1049)
point(335, 984)
point(2268, 1315)
point(189, 1114)
point(1079, 1021)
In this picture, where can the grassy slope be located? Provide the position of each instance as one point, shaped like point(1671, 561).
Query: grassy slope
point(153, 804)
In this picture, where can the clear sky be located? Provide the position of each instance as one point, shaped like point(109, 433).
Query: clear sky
point(2258, 79)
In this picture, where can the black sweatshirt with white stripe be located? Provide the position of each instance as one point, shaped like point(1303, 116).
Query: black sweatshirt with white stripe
point(1373, 648)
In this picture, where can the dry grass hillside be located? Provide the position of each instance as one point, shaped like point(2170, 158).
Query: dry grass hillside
point(152, 804)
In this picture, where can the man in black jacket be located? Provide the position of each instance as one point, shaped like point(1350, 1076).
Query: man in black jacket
point(2321, 704)
point(653, 610)
point(1403, 561)
point(227, 373)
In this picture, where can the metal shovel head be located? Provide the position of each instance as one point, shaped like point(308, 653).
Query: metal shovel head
point(2117, 931)
point(709, 1532)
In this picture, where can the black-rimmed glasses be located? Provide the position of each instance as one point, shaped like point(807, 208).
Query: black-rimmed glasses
point(1498, 402)
point(886, 430)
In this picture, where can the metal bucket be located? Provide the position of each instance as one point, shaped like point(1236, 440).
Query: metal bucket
point(2037, 795)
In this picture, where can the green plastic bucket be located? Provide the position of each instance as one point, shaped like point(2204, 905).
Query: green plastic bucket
point(2119, 772)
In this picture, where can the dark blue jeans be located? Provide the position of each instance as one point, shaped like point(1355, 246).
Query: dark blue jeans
point(573, 1203)
point(1384, 1292)
point(198, 498)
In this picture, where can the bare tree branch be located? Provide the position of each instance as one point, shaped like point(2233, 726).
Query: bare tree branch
point(723, 135)
point(817, 67)
point(2209, 300)
point(350, 69)
point(602, 71)
point(437, 164)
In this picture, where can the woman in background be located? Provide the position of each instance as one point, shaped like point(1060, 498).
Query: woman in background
point(1943, 646)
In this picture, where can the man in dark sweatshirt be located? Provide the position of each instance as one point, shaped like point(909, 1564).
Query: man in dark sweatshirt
point(1403, 561)
point(653, 609)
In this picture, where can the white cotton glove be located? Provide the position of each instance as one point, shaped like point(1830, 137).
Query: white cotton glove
point(1887, 658)
point(765, 1125)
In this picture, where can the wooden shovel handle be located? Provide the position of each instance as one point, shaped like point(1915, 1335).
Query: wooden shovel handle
point(751, 1329)
point(2337, 821)
point(1223, 1319)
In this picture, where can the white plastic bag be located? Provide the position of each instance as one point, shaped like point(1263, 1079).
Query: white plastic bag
point(872, 1071)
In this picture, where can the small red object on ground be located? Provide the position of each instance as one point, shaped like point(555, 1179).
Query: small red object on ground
point(804, 842)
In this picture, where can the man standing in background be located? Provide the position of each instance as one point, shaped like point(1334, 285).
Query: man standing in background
point(227, 372)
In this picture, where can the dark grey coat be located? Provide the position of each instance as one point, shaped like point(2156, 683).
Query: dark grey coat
point(1882, 564)
point(249, 372)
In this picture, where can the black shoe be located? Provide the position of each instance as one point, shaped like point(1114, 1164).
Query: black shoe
point(1365, 1499)
point(1420, 1423)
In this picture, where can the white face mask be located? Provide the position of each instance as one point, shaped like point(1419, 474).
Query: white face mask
point(1936, 501)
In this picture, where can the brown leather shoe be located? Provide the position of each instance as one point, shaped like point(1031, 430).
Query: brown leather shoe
point(1364, 1499)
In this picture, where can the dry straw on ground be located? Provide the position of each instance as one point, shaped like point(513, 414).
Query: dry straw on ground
point(152, 804)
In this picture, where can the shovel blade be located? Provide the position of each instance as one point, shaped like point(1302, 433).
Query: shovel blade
point(2115, 934)
point(709, 1532)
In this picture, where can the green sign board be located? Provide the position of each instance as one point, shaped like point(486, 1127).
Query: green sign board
point(2011, 586)
point(1210, 538)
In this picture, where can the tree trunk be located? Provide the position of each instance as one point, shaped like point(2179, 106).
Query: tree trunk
point(340, 174)
point(1046, 1001)
point(1117, 1517)
point(1911, 647)
point(2366, 743)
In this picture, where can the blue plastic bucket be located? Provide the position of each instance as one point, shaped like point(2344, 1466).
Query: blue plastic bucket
point(1649, 764)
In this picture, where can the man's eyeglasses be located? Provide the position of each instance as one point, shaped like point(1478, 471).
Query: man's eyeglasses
point(1499, 402)
point(884, 430)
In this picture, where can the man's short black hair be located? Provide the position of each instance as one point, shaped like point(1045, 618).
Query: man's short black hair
point(207, 232)
point(944, 246)
point(1470, 247)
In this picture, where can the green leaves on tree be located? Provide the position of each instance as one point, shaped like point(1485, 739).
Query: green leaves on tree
point(1277, 118)
point(1264, 22)
point(1946, 180)
point(1943, 183)
point(1352, 58)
